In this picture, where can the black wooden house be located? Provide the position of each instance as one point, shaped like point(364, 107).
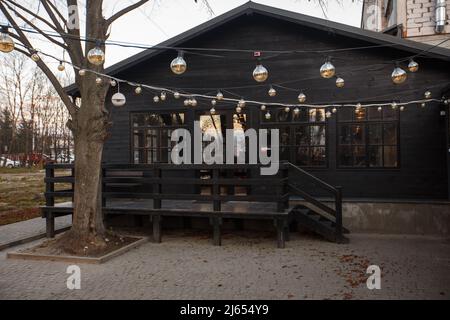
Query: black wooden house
point(387, 155)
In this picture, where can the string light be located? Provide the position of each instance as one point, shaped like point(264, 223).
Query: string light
point(260, 74)
point(163, 96)
point(61, 66)
point(328, 114)
point(423, 104)
point(287, 109)
point(155, 99)
point(178, 65)
point(176, 95)
point(186, 102)
point(193, 102)
point(402, 108)
point(413, 66)
point(394, 105)
point(272, 92)
point(212, 110)
point(263, 107)
point(113, 83)
point(96, 56)
point(399, 75)
point(296, 110)
point(241, 103)
point(213, 102)
point(267, 115)
point(6, 42)
point(340, 83)
point(138, 90)
point(334, 110)
point(301, 97)
point(380, 109)
point(327, 70)
point(219, 95)
point(98, 80)
point(82, 72)
point(427, 94)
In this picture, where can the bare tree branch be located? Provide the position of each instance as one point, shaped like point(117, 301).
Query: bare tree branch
point(125, 11)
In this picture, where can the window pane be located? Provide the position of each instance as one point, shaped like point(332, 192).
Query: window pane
point(301, 116)
point(345, 156)
point(359, 156)
point(390, 134)
point(345, 134)
point(284, 136)
point(357, 134)
point(375, 134)
point(390, 156)
point(302, 156)
point(285, 153)
point(139, 138)
point(318, 156)
point(360, 114)
point(317, 115)
point(177, 119)
point(301, 136)
point(317, 135)
point(138, 120)
point(375, 156)
point(283, 116)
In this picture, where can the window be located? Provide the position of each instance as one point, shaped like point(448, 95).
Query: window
point(302, 135)
point(151, 136)
point(368, 138)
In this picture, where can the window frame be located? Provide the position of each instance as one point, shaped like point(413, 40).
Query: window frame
point(292, 124)
point(159, 128)
point(366, 122)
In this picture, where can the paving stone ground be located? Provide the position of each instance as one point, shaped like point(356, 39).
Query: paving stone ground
point(187, 266)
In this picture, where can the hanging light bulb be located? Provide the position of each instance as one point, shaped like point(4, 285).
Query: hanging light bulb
point(61, 66)
point(118, 99)
point(241, 103)
point(176, 95)
point(178, 65)
point(213, 102)
point(187, 102)
point(96, 56)
point(358, 106)
point(301, 97)
point(413, 66)
point(296, 111)
point(287, 109)
point(238, 109)
point(402, 108)
point(219, 95)
point(427, 94)
point(328, 114)
point(113, 83)
point(272, 92)
point(263, 107)
point(98, 80)
point(380, 109)
point(82, 72)
point(163, 96)
point(394, 105)
point(399, 75)
point(340, 83)
point(267, 115)
point(423, 104)
point(193, 102)
point(212, 110)
point(327, 70)
point(35, 56)
point(138, 90)
point(6, 42)
point(155, 99)
point(334, 110)
point(260, 74)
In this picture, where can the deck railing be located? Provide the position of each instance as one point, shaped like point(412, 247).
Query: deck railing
point(163, 182)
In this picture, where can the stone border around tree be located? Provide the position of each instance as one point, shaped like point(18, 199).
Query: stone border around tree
point(77, 259)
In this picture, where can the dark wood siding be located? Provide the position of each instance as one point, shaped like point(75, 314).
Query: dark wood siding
point(423, 161)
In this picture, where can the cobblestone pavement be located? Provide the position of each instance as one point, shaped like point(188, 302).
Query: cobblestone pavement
point(245, 267)
point(20, 230)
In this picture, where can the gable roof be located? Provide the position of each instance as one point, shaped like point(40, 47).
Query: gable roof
point(290, 16)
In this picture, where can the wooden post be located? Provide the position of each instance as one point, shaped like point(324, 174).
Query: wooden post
point(217, 237)
point(50, 225)
point(157, 188)
point(279, 225)
point(156, 219)
point(216, 190)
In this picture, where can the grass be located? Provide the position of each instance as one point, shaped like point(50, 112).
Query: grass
point(21, 194)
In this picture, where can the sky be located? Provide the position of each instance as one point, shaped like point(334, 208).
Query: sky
point(160, 20)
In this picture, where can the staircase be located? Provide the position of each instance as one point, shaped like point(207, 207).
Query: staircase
point(314, 215)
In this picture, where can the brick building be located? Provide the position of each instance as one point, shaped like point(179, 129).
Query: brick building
point(418, 20)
